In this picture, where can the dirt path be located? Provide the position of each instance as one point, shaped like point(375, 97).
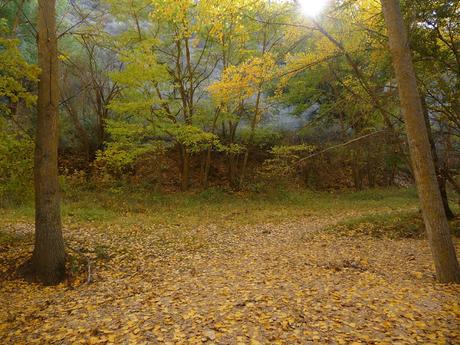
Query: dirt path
point(289, 283)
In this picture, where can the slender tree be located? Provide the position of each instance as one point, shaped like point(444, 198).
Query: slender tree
point(48, 259)
point(437, 227)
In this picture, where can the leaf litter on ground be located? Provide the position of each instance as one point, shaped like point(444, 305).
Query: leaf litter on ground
point(270, 283)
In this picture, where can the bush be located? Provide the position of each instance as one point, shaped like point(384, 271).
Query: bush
point(284, 163)
point(16, 167)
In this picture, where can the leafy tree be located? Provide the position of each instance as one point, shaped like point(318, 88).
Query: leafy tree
point(444, 255)
point(15, 74)
point(17, 78)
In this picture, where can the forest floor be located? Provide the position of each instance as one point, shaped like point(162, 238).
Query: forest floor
point(231, 270)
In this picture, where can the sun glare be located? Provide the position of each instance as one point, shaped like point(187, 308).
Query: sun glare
point(312, 8)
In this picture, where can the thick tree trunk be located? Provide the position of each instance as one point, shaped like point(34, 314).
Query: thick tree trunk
point(437, 227)
point(48, 259)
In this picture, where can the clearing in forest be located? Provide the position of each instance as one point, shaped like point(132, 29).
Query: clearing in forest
point(238, 272)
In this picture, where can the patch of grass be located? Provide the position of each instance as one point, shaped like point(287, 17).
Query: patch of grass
point(131, 206)
point(394, 225)
point(20, 213)
point(87, 212)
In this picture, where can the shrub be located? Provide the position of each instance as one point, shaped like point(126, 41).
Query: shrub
point(284, 161)
point(16, 167)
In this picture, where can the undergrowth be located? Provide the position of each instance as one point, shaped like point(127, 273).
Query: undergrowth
point(393, 225)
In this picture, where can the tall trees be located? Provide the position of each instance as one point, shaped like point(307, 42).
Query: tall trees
point(15, 143)
point(445, 259)
point(48, 259)
point(434, 31)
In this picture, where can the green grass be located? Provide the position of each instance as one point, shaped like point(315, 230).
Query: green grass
point(128, 206)
point(396, 224)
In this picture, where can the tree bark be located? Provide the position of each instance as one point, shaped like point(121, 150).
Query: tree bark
point(437, 164)
point(251, 135)
point(207, 166)
point(185, 167)
point(437, 227)
point(48, 258)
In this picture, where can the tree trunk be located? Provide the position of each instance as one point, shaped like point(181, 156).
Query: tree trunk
point(48, 259)
point(356, 172)
point(437, 164)
point(251, 136)
point(232, 170)
point(437, 227)
point(81, 132)
point(244, 165)
point(185, 168)
point(207, 166)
